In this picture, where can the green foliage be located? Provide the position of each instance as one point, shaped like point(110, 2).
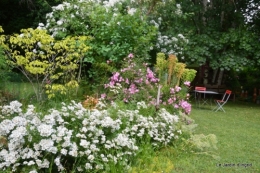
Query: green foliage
point(161, 66)
point(171, 72)
point(203, 142)
point(115, 32)
point(188, 75)
point(4, 66)
point(43, 60)
point(213, 32)
point(98, 75)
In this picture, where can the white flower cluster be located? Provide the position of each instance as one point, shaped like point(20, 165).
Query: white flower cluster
point(14, 107)
point(170, 44)
point(161, 129)
point(66, 13)
point(116, 88)
point(97, 137)
point(111, 3)
point(178, 12)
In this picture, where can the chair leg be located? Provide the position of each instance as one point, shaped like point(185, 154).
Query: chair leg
point(218, 107)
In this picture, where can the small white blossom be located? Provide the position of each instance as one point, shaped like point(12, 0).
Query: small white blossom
point(131, 11)
point(45, 130)
point(59, 22)
point(59, 7)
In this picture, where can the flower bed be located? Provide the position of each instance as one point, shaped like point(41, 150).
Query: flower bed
point(74, 139)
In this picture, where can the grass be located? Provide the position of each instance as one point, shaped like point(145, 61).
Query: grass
point(21, 91)
point(238, 137)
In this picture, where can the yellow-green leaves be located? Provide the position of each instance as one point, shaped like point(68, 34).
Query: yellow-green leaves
point(43, 59)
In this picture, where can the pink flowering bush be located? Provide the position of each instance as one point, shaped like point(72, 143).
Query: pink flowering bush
point(137, 82)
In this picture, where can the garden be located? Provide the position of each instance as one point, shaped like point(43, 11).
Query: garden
point(105, 86)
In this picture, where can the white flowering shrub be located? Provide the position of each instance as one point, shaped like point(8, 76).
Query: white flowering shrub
point(171, 44)
point(74, 139)
point(115, 27)
point(171, 38)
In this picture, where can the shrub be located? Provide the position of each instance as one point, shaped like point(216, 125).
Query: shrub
point(44, 60)
point(115, 28)
point(74, 139)
point(136, 81)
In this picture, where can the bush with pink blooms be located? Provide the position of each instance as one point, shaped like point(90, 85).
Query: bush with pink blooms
point(136, 81)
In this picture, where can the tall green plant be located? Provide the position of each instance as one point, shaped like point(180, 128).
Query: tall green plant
point(176, 72)
point(4, 67)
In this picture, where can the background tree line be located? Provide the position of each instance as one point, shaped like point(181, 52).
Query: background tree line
point(223, 33)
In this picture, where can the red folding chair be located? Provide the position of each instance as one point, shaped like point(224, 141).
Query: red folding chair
point(221, 103)
point(198, 95)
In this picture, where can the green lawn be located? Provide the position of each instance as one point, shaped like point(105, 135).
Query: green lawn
point(237, 132)
point(238, 136)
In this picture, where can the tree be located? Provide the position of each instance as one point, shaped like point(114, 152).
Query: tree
point(219, 35)
point(49, 65)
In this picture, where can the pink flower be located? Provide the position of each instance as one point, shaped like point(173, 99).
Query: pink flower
point(103, 96)
point(150, 76)
point(130, 55)
point(187, 83)
point(172, 91)
point(139, 80)
point(133, 89)
point(111, 83)
point(120, 79)
point(186, 106)
point(115, 76)
point(170, 101)
point(177, 89)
